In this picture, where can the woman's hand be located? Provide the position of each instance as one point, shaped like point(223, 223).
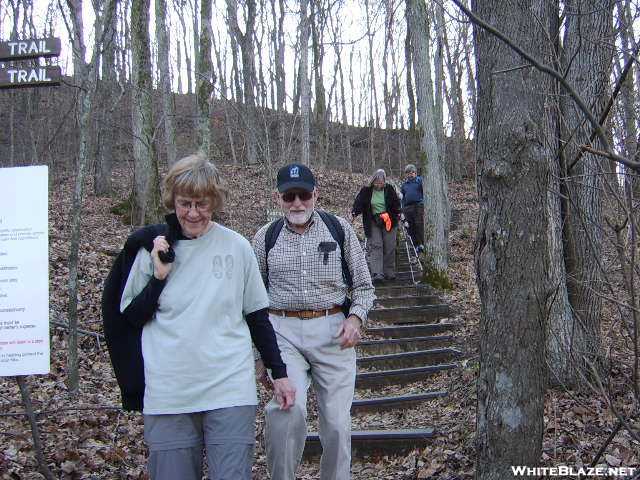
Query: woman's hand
point(283, 390)
point(160, 270)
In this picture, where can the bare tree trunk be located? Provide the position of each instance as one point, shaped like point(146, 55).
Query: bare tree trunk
point(512, 241)
point(277, 38)
point(146, 192)
point(587, 63)
point(439, 81)
point(345, 137)
point(372, 70)
point(86, 75)
point(456, 106)
point(35, 433)
point(628, 92)
point(180, 8)
point(247, 50)
point(195, 16)
point(205, 79)
point(179, 64)
point(560, 316)
point(318, 23)
point(471, 77)
point(435, 187)
point(411, 114)
point(387, 95)
point(168, 109)
point(305, 88)
point(104, 162)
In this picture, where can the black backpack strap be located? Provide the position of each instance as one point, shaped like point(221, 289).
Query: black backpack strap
point(337, 232)
point(270, 238)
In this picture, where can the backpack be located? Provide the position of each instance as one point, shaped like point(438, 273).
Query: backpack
point(337, 232)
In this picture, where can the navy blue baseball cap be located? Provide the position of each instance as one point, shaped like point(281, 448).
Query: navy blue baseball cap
point(295, 175)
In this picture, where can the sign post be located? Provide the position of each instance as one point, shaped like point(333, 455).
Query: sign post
point(24, 271)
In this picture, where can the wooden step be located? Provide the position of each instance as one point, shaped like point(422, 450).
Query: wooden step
point(416, 330)
point(407, 359)
point(407, 301)
point(397, 345)
point(416, 314)
point(400, 402)
point(402, 282)
point(376, 442)
point(400, 376)
point(390, 291)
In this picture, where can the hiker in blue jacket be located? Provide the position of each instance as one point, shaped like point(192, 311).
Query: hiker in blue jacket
point(413, 205)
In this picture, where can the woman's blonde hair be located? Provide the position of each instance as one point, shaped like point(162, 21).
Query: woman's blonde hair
point(379, 174)
point(193, 176)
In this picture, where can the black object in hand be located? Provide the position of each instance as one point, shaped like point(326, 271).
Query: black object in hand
point(173, 233)
point(167, 257)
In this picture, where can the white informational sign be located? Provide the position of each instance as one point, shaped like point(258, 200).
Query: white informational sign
point(24, 271)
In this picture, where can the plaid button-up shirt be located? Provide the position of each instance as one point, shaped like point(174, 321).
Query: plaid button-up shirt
point(301, 278)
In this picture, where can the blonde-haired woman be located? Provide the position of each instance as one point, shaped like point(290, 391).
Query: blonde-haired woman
point(198, 316)
point(379, 205)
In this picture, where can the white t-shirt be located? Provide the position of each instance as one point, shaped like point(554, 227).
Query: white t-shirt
point(197, 347)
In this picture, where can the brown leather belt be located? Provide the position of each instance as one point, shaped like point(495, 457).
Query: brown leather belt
point(306, 314)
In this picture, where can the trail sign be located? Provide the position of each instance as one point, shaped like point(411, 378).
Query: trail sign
point(16, 77)
point(24, 271)
point(26, 49)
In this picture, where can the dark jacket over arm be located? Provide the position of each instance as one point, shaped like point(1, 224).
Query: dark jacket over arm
point(124, 338)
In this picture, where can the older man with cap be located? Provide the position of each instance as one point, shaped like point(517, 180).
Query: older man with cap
point(318, 303)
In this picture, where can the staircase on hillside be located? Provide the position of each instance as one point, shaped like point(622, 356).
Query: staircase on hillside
point(408, 339)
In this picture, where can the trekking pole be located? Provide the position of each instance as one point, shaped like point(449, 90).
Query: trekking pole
point(412, 254)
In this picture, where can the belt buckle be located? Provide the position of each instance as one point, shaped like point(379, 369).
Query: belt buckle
point(306, 314)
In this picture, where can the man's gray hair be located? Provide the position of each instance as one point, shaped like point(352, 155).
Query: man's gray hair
point(379, 174)
point(410, 169)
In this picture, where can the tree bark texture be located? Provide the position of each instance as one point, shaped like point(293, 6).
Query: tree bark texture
point(512, 246)
point(408, 62)
point(104, 162)
point(204, 80)
point(168, 108)
point(305, 87)
point(436, 204)
point(247, 51)
point(586, 59)
point(35, 432)
point(145, 207)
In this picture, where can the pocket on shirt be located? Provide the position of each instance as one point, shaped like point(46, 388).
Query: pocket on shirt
point(332, 271)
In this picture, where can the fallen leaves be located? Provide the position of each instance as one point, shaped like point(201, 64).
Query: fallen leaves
point(108, 444)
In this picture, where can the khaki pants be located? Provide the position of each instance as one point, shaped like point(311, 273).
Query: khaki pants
point(381, 248)
point(311, 350)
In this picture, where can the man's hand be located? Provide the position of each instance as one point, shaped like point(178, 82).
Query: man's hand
point(160, 270)
point(349, 332)
point(284, 392)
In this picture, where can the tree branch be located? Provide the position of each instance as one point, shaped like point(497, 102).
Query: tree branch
point(607, 152)
point(37, 444)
